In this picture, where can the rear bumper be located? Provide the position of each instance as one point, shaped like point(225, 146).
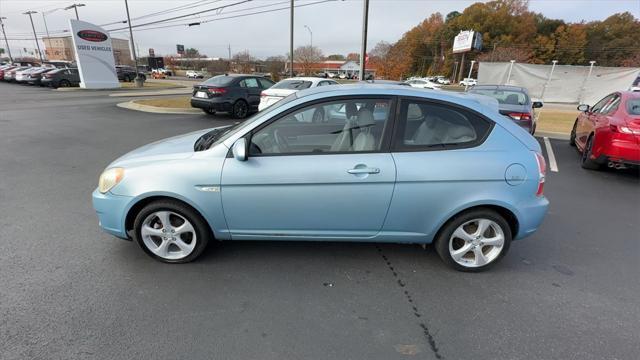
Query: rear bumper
point(211, 104)
point(530, 217)
point(112, 211)
point(621, 149)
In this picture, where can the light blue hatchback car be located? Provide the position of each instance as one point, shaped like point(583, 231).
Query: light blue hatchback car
point(369, 163)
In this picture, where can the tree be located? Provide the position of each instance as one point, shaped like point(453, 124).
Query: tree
point(379, 58)
point(275, 66)
point(243, 62)
point(337, 57)
point(307, 57)
point(353, 57)
point(193, 53)
point(571, 41)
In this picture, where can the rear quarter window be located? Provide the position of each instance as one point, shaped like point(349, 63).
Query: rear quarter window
point(633, 106)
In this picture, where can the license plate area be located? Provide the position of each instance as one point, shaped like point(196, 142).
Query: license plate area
point(201, 94)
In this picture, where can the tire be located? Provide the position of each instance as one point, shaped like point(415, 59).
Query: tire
point(240, 109)
point(497, 230)
point(209, 111)
point(586, 161)
point(64, 83)
point(150, 231)
point(572, 137)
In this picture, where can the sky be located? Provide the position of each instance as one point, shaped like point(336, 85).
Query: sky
point(336, 25)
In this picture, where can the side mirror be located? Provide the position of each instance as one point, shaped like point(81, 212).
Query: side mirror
point(583, 107)
point(537, 104)
point(239, 149)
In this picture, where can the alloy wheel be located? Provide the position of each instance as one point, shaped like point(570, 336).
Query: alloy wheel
point(168, 235)
point(240, 110)
point(476, 243)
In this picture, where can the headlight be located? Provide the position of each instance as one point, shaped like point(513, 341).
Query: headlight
point(109, 179)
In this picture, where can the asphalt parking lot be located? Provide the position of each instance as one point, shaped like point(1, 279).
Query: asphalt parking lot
point(70, 291)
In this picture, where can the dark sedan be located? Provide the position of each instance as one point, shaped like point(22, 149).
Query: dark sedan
point(61, 78)
point(514, 103)
point(236, 94)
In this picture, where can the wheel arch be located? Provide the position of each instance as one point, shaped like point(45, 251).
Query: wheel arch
point(509, 216)
point(140, 203)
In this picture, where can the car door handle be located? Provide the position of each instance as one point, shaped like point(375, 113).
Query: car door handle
point(364, 170)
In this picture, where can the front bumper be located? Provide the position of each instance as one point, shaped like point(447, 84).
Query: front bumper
point(215, 104)
point(112, 211)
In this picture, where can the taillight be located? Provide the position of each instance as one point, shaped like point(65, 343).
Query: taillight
point(216, 91)
point(623, 130)
point(542, 172)
point(263, 94)
point(520, 116)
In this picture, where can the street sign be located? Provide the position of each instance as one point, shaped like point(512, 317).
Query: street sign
point(94, 55)
point(180, 49)
point(152, 53)
point(463, 42)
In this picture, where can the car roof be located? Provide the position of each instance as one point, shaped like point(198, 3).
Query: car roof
point(307, 78)
point(501, 87)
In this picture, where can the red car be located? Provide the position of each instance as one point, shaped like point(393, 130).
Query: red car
point(608, 133)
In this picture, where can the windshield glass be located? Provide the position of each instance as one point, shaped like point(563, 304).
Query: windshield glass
point(220, 80)
point(633, 106)
point(253, 118)
point(507, 97)
point(292, 85)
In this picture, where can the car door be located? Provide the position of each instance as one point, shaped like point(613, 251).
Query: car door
point(306, 179)
point(252, 89)
point(586, 121)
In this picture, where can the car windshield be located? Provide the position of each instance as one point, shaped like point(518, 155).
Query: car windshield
point(220, 80)
point(507, 97)
point(223, 135)
point(292, 85)
point(633, 106)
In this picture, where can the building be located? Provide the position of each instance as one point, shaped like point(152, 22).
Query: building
point(60, 48)
point(349, 68)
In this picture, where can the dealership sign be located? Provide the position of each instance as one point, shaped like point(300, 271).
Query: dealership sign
point(94, 56)
point(463, 42)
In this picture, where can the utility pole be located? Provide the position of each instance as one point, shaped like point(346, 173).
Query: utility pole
point(5, 39)
point(461, 73)
point(229, 48)
point(133, 46)
point(75, 7)
point(34, 32)
point(363, 49)
point(46, 28)
point(291, 43)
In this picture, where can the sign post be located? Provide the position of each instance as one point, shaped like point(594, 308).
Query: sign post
point(94, 56)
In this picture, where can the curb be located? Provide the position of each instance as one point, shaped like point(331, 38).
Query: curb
point(132, 90)
point(552, 135)
point(132, 105)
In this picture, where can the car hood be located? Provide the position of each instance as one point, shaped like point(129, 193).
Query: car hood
point(173, 148)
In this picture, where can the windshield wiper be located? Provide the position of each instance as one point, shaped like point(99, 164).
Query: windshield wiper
point(205, 141)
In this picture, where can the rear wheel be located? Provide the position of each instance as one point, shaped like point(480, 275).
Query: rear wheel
point(171, 232)
point(64, 83)
point(587, 161)
point(474, 241)
point(240, 109)
point(572, 137)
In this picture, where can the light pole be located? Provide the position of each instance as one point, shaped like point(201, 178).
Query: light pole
point(544, 88)
point(310, 34)
point(34, 32)
point(291, 43)
point(5, 38)
point(133, 46)
point(75, 7)
point(363, 49)
point(466, 84)
point(510, 69)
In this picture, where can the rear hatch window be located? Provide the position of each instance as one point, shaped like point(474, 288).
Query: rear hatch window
point(220, 80)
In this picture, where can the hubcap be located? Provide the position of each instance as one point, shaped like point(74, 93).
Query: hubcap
point(240, 110)
point(168, 235)
point(476, 243)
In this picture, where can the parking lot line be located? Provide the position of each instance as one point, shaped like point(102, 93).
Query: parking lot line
point(553, 166)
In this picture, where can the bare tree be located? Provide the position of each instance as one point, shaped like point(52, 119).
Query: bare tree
point(243, 62)
point(307, 57)
point(275, 66)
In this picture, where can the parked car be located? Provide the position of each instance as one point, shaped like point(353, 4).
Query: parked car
point(127, 73)
point(11, 74)
point(386, 82)
point(167, 72)
point(468, 82)
point(608, 133)
point(194, 75)
point(61, 78)
point(35, 77)
point(514, 102)
point(5, 68)
point(423, 84)
point(279, 176)
point(287, 87)
point(442, 80)
point(236, 94)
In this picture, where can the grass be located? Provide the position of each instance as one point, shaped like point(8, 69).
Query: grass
point(557, 121)
point(180, 102)
point(149, 85)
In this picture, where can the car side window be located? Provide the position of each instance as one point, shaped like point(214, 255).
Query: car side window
point(611, 105)
point(429, 126)
point(596, 108)
point(249, 83)
point(350, 125)
point(265, 83)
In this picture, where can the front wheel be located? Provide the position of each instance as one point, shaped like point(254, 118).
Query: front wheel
point(572, 137)
point(474, 241)
point(171, 232)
